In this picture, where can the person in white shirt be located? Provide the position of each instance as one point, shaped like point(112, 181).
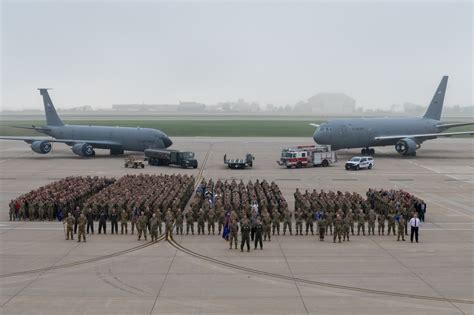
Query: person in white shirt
point(415, 226)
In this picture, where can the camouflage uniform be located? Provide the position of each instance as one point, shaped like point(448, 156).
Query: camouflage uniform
point(233, 233)
point(154, 228)
point(360, 223)
point(299, 222)
point(276, 222)
point(69, 226)
point(124, 222)
point(201, 220)
point(346, 228)
point(211, 219)
point(82, 228)
point(309, 222)
point(322, 228)
point(189, 222)
point(179, 222)
point(371, 219)
point(337, 229)
point(141, 226)
point(401, 228)
point(287, 222)
point(381, 223)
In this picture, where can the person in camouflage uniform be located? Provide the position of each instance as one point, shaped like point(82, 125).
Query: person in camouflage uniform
point(258, 234)
point(401, 228)
point(322, 228)
point(141, 225)
point(267, 223)
point(329, 222)
point(245, 235)
point(169, 221)
point(381, 223)
point(309, 221)
point(350, 215)
point(391, 223)
point(154, 227)
point(299, 221)
point(69, 226)
point(82, 228)
point(337, 229)
point(220, 220)
point(287, 221)
point(275, 223)
point(346, 228)
point(361, 222)
point(179, 222)
point(124, 222)
point(201, 220)
point(211, 222)
point(189, 222)
point(233, 233)
point(371, 219)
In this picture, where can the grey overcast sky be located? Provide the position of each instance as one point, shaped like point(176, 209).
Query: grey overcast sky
point(110, 52)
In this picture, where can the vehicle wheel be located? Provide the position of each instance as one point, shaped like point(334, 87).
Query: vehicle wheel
point(325, 163)
point(195, 166)
point(370, 166)
point(363, 152)
point(357, 167)
point(372, 151)
point(288, 166)
point(125, 165)
point(142, 166)
point(298, 165)
point(347, 168)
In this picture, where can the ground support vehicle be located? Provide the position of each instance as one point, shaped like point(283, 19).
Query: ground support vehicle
point(164, 157)
point(307, 155)
point(240, 163)
point(133, 163)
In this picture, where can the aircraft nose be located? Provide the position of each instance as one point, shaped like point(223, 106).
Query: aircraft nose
point(317, 137)
point(166, 141)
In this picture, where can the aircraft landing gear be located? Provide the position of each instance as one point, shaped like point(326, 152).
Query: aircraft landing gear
point(367, 151)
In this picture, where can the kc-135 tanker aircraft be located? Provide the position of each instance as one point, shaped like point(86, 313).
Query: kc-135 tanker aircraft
point(84, 139)
point(405, 133)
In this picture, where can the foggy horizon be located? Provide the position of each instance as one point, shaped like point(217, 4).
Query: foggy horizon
point(99, 54)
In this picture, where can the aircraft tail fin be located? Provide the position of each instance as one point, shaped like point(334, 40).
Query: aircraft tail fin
point(52, 118)
point(436, 106)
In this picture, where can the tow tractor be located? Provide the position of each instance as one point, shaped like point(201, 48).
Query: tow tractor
point(240, 163)
point(307, 155)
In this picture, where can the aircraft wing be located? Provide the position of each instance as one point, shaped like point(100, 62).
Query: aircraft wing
point(66, 141)
point(426, 135)
point(314, 125)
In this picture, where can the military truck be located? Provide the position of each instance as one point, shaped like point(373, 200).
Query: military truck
point(132, 162)
point(164, 157)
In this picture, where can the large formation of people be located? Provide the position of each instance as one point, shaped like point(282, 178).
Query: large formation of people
point(337, 213)
point(55, 200)
point(258, 210)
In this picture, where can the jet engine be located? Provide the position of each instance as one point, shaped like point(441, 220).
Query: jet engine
point(41, 147)
point(83, 149)
point(406, 146)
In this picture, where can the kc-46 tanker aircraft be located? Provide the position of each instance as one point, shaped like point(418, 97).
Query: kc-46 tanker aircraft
point(83, 139)
point(405, 133)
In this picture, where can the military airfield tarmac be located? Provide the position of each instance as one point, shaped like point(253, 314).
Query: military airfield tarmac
point(42, 273)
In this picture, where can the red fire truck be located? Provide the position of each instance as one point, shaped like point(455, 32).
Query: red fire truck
point(307, 155)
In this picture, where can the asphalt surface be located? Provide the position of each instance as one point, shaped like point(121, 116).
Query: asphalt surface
point(41, 273)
